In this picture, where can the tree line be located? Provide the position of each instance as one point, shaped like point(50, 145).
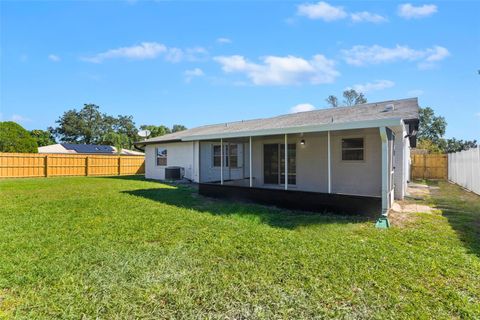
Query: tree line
point(90, 126)
point(85, 126)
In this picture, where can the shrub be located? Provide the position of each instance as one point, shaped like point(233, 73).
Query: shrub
point(14, 138)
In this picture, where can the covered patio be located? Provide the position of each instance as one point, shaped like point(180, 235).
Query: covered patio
point(347, 171)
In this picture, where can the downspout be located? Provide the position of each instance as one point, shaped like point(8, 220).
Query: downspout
point(383, 222)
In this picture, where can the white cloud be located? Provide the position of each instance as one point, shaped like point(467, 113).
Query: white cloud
point(302, 107)
point(285, 70)
point(53, 57)
point(192, 73)
point(364, 55)
point(19, 118)
point(373, 86)
point(366, 16)
point(190, 54)
point(224, 40)
point(321, 10)
point(145, 50)
point(149, 50)
point(409, 11)
point(174, 55)
point(328, 13)
point(437, 53)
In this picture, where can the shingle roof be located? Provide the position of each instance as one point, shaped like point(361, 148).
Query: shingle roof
point(405, 109)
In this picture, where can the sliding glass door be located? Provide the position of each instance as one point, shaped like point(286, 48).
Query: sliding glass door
point(274, 163)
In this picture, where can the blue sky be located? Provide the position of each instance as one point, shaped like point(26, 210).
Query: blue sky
point(200, 62)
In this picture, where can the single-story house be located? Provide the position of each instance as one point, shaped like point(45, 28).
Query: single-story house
point(70, 148)
point(346, 159)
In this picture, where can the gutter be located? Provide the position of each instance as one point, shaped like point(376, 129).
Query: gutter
point(142, 144)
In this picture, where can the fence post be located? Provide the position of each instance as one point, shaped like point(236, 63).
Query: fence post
point(119, 165)
point(46, 166)
point(445, 167)
point(87, 165)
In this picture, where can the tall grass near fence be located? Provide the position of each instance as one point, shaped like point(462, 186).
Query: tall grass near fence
point(464, 169)
point(28, 165)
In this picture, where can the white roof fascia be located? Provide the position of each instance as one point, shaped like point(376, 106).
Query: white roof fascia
point(392, 122)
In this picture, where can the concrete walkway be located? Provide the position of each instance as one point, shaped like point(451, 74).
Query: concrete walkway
point(415, 191)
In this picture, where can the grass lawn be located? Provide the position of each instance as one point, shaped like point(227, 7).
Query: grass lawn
point(125, 247)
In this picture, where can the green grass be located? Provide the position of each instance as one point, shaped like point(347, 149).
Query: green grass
point(129, 248)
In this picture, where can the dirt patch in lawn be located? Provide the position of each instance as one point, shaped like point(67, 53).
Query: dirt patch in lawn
point(405, 212)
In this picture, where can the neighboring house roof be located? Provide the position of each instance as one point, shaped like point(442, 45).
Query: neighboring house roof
point(88, 148)
point(364, 115)
point(85, 149)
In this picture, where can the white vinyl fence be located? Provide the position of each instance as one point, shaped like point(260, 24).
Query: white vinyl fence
point(464, 169)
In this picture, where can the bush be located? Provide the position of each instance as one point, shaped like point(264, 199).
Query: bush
point(14, 138)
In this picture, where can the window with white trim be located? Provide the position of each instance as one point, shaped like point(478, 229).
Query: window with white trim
point(230, 155)
point(353, 149)
point(217, 160)
point(233, 155)
point(161, 156)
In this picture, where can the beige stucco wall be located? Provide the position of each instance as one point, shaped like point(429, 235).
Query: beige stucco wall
point(348, 177)
point(182, 154)
point(209, 173)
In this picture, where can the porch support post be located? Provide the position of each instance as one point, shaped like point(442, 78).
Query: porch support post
point(221, 161)
point(250, 162)
point(286, 162)
point(329, 161)
point(383, 222)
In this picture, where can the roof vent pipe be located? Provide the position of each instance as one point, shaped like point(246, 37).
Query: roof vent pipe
point(389, 107)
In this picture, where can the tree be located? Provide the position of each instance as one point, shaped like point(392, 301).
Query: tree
point(429, 145)
point(125, 126)
point(454, 145)
point(178, 127)
point(156, 131)
point(84, 126)
point(431, 131)
point(431, 127)
point(118, 140)
point(43, 137)
point(14, 138)
point(350, 98)
point(332, 101)
point(90, 126)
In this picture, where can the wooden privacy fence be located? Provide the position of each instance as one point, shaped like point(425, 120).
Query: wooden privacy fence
point(429, 166)
point(23, 165)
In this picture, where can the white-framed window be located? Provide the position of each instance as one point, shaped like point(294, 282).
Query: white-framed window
point(353, 149)
point(230, 155)
point(161, 156)
point(217, 160)
point(233, 155)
